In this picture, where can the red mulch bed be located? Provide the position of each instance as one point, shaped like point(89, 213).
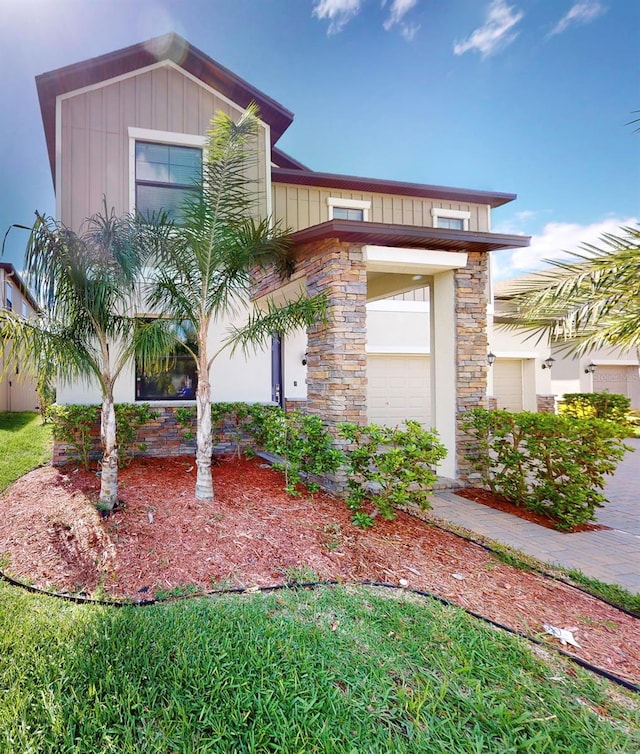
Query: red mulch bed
point(253, 533)
point(490, 499)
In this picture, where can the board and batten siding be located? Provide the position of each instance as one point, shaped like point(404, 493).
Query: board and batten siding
point(95, 134)
point(300, 207)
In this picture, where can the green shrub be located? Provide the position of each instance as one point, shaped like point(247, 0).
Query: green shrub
point(301, 440)
point(554, 465)
point(78, 426)
point(390, 466)
point(75, 425)
point(608, 406)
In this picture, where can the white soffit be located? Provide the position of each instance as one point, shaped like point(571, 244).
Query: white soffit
point(414, 261)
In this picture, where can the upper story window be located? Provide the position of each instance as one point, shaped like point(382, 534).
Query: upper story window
point(8, 297)
point(450, 219)
point(165, 175)
point(348, 209)
point(25, 310)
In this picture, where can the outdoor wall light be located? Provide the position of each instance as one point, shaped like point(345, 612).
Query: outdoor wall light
point(590, 368)
point(548, 363)
point(304, 360)
point(491, 357)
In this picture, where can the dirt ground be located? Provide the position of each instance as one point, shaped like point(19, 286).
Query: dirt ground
point(254, 534)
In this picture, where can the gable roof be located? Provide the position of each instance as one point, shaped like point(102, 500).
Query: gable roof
point(167, 47)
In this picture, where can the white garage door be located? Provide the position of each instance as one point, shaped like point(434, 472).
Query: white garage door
point(622, 380)
point(507, 383)
point(398, 389)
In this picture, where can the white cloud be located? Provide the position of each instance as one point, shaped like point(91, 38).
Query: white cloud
point(397, 12)
point(338, 12)
point(496, 32)
point(581, 12)
point(554, 242)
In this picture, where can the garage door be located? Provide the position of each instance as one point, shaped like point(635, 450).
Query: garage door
point(507, 383)
point(398, 389)
point(622, 380)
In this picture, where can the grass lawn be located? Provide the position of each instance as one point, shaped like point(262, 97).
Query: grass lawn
point(24, 444)
point(345, 670)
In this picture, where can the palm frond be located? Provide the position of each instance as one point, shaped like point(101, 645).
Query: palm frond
point(590, 300)
point(283, 319)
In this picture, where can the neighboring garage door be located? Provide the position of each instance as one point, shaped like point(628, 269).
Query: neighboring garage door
point(398, 389)
point(622, 380)
point(507, 383)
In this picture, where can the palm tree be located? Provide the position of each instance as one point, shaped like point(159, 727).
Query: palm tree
point(204, 265)
point(85, 283)
point(587, 302)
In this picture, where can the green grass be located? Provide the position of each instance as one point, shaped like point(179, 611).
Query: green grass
point(340, 670)
point(24, 444)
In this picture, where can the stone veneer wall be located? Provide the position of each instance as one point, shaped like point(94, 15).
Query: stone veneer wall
point(546, 404)
point(471, 348)
point(161, 437)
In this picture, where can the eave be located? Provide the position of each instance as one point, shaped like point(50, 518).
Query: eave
point(408, 236)
point(355, 183)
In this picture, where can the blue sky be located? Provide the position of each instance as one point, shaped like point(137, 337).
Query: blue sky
point(524, 96)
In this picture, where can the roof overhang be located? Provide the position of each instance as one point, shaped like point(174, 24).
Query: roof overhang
point(170, 47)
point(11, 273)
point(407, 236)
point(355, 183)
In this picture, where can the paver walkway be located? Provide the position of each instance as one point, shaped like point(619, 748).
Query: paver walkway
point(612, 556)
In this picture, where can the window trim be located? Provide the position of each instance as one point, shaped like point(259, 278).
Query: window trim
point(451, 214)
point(365, 206)
point(158, 137)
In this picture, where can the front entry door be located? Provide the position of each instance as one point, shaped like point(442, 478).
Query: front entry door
point(277, 393)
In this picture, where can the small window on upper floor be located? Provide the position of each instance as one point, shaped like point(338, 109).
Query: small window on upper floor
point(25, 310)
point(165, 175)
point(348, 209)
point(8, 297)
point(450, 219)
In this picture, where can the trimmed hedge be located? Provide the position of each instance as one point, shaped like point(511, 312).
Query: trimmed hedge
point(554, 465)
point(607, 406)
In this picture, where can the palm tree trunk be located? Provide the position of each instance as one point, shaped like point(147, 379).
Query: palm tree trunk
point(204, 444)
point(109, 477)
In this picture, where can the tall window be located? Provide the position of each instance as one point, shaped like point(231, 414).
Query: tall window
point(8, 297)
point(165, 176)
point(173, 379)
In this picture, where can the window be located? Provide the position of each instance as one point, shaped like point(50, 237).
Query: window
point(165, 175)
point(25, 310)
point(348, 209)
point(174, 379)
point(450, 219)
point(8, 297)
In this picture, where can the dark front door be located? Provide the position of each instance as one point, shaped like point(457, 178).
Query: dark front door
point(277, 393)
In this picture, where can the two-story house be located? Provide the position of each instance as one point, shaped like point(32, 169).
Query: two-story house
point(17, 387)
point(130, 126)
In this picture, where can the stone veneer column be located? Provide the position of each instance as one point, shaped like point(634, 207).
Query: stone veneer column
point(546, 404)
point(337, 358)
point(471, 346)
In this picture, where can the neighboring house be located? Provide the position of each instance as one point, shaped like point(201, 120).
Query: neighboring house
point(17, 391)
point(130, 126)
point(521, 381)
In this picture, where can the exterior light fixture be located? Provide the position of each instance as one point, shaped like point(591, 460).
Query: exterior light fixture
point(304, 360)
point(590, 368)
point(491, 357)
point(548, 363)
